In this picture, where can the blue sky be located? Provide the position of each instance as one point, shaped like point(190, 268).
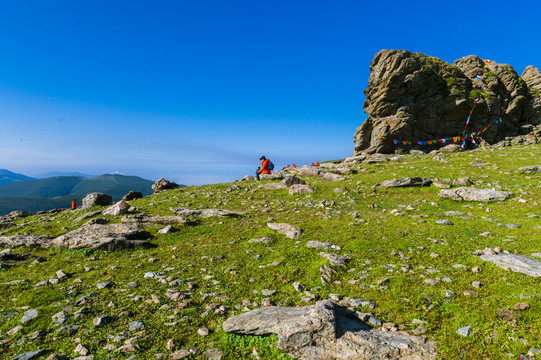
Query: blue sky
point(197, 91)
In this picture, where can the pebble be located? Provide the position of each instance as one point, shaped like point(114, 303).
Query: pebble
point(203, 331)
point(476, 284)
point(444, 222)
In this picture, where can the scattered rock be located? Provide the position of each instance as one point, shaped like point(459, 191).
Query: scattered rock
point(292, 180)
point(205, 213)
point(328, 331)
point(300, 189)
point(335, 259)
point(132, 195)
point(465, 331)
point(290, 231)
point(261, 240)
point(465, 181)
point(119, 208)
point(406, 182)
point(112, 237)
point(162, 185)
point(474, 194)
point(516, 263)
point(29, 315)
point(96, 199)
point(507, 314)
point(273, 186)
point(30, 355)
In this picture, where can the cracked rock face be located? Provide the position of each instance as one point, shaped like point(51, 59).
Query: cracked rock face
point(474, 194)
point(329, 331)
point(412, 96)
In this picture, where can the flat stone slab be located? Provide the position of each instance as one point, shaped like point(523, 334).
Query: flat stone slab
point(205, 213)
point(327, 330)
point(112, 237)
point(25, 240)
point(474, 194)
point(516, 263)
point(273, 186)
point(406, 182)
point(534, 168)
point(152, 220)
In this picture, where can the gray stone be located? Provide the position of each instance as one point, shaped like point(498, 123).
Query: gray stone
point(29, 315)
point(444, 222)
point(102, 320)
point(273, 186)
point(465, 181)
point(105, 284)
point(292, 180)
point(335, 259)
point(205, 213)
point(118, 208)
point(136, 325)
point(465, 331)
point(300, 189)
point(96, 199)
point(333, 177)
point(516, 263)
point(162, 185)
point(165, 230)
point(474, 194)
point(213, 354)
point(328, 331)
point(132, 195)
point(261, 240)
point(533, 168)
point(25, 241)
point(69, 329)
point(318, 245)
point(30, 355)
point(406, 182)
point(152, 220)
point(290, 231)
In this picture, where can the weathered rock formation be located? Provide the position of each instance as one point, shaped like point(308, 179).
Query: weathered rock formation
point(412, 96)
point(516, 263)
point(329, 331)
point(112, 237)
point(162, 185)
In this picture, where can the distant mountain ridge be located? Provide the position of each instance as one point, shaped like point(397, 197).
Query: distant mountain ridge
point(8, 177)
point(57, 192)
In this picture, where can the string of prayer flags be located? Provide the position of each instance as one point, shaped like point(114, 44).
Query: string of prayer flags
point(463, 137)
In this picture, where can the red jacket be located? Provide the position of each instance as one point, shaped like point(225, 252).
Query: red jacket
point(265, 167)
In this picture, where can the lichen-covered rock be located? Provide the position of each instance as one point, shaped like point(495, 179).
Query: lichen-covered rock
point(119, 208)
point(406, 182)
point(329, 331)
point(516, 263)
point(300, 189)
point(412, 96)
point(474, 194)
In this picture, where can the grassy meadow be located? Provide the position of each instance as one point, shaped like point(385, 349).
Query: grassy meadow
point(390, 234)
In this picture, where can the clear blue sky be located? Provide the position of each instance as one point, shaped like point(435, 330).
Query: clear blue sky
point(197, 91)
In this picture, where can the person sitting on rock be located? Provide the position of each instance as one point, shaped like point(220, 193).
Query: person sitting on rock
point(74, 204)
point(264, 169)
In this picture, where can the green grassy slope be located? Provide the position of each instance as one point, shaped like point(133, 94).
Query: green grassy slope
point(391, 235)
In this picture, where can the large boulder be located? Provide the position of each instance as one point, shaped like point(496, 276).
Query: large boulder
point(415, 97)
point(329, 331)
point(162, 185)
point(96, 199)
point(300, 189)
point(474, 194)
point(292, 180)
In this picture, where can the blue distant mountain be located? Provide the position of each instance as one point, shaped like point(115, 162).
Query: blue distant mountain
point(57, 192)
point(60, 173)
point(8, 177)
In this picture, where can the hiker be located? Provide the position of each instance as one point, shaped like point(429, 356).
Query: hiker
point(265, 167)
point(294, 166)
point(74, 204)
point(316, 163)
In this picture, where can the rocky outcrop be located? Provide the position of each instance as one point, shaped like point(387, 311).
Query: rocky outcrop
point(25, 240)
point(96, 199)
point(412, 96)
point(162, 185)
point(153, 220)
point(474, 194)
point(329, 331)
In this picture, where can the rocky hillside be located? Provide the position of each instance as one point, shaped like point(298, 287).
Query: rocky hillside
point(374, 257)
point(414, 97)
